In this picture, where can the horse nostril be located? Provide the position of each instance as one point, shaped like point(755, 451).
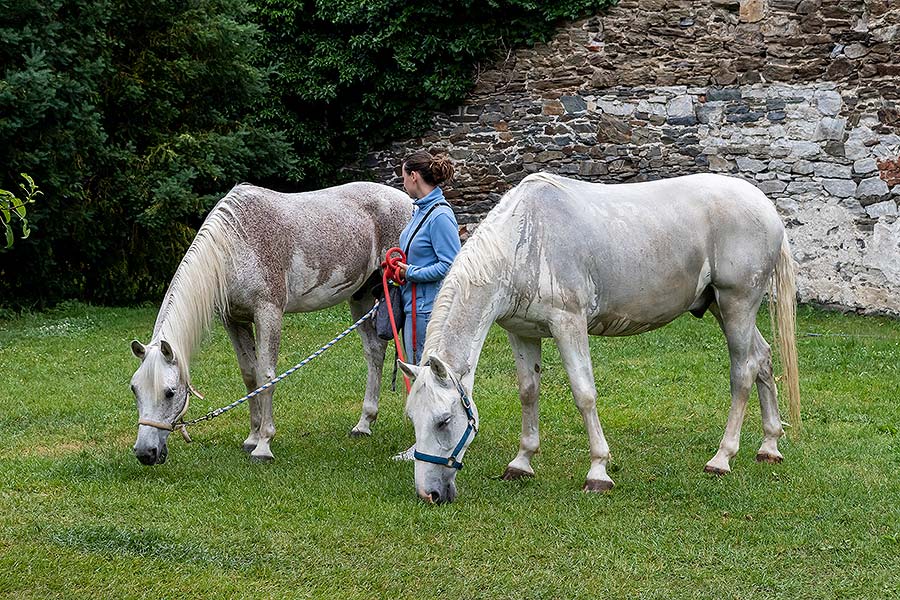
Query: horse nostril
point(146, 457)
point(435, 497)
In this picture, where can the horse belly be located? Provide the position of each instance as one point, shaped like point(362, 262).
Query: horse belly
point(311, 294)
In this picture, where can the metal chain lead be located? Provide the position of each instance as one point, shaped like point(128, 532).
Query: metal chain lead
point(219, 411)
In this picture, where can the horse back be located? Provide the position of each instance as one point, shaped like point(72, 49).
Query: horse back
point(311, 250)
point(641, 254)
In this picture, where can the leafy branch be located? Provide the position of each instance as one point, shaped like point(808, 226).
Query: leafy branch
point(12, 206)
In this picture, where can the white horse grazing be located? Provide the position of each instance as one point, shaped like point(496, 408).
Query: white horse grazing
point(258, 255)
point(568, 259)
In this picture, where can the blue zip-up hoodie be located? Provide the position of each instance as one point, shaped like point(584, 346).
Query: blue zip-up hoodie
point(432, 251)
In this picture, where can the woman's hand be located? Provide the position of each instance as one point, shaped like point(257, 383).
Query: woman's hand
point(401, 267)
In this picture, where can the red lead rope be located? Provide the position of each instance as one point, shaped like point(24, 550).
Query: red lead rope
point(392, 273)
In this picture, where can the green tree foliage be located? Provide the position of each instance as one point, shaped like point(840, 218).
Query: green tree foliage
point(136, 116)
point(356, 73)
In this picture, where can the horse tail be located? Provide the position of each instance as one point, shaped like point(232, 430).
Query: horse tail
point(785, 328)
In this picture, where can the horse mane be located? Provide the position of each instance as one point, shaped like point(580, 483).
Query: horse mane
point(483, 258)
point(198, 290)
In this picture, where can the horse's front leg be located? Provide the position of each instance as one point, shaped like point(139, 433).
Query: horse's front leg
point(268, 340)
point(374, 349)
point(527, 352)
point(241, 336)
point(570, 333)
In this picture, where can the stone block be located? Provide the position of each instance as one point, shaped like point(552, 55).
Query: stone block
point(548, 155)
point(619, 109)
point(840, 188)
point(804, 187)
point(830, 128)
point(772, 187)
point(682, 121)
point(864, 166)
point(872, 190)
point(853, 51)
point(880, 209)
point(553, 107)
point(723, 94)
point(744, 117)
point(750, 165)
point(855, 151)
point(591, 168)
point(804, 150)
point(829, 103)
point(832, 170)
point(752, 11)
point(718, 164)
point(573, 104)
point(651, 108)
point(709, 115)
point(680, 107)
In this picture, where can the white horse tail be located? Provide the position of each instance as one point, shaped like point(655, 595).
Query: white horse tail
point(785, 331)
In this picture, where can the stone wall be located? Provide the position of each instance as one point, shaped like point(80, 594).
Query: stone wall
point(801, 97)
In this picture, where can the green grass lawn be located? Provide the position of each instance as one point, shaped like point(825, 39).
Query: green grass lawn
point(333, 517)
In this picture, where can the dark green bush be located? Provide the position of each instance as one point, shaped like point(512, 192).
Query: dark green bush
point(135, 117)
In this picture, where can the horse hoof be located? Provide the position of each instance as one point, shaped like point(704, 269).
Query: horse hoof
point(598, 485)
point(715, 470)
point(512, 474)
point(358, 433)
point(261, 458)
point(769, 458)
point(248, 448)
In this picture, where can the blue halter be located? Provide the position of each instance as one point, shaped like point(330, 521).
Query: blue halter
point(471, 429)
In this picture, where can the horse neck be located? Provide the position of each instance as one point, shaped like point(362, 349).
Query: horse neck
point(459, 326)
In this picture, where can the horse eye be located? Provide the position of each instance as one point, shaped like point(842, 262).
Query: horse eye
point(443, 424)
point(170, 393)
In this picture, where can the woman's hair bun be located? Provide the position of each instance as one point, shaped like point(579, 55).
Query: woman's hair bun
point(434, 170)
point(441, 170)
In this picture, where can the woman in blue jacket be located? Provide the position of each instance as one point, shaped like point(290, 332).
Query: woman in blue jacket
point(435, 245)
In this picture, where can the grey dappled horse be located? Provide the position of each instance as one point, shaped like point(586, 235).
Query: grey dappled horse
point(260, 254)
point(566, 259)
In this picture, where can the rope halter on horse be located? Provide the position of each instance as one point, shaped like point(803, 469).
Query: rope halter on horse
point(178, 421)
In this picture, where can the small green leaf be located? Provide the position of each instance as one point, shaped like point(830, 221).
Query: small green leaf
point(9, 236)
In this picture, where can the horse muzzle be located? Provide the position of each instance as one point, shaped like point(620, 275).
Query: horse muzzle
point(151, 456)
point(433, 495)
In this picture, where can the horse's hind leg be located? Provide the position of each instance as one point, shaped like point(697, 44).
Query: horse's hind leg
point(268, 339)
point(241, 336)
point(768, 403)
point(571, 336)
point(736, 313)
point(527, 352)
point(374, 349)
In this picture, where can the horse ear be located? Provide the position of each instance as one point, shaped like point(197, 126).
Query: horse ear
point(411, 371)
point(167, 351)
point(138, 349)
point(439, 369)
